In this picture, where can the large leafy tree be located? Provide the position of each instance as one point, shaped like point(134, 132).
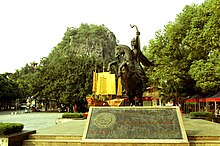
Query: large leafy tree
point(190, 38)
point(9, 91)
point(66, 74)
point(24, 79)
point(207, 73)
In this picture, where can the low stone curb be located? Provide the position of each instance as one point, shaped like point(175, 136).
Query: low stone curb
point(64, 120)
point(15, 139)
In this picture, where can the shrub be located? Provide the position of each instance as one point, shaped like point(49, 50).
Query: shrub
point(200, 114)
point(9, 128)
point(73, 115)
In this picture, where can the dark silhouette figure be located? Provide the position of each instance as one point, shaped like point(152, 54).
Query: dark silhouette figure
point(128, 66)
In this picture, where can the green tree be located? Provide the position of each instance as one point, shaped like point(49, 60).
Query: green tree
point(207, 73)
point(191, 37)
point(24, 79)
point(9, 91)
point(65, 76)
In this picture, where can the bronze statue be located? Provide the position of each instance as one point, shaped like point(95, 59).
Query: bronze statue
point(135, 44)
point(132, 75)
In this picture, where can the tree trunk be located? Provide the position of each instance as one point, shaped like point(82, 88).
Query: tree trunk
point(46, 106)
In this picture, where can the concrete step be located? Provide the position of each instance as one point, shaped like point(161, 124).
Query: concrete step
point(52, 143)
point(80, 143)
point(202, 138)
point(54, 137)
point(204, 143)
point(52, 140)
point(70, 140)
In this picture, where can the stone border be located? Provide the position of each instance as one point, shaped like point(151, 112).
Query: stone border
point(15, 139)
point(64, 120)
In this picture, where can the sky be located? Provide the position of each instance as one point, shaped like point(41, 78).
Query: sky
point(29, 29)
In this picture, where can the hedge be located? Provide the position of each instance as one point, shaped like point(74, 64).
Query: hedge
point(9, 128)
point(200, 114)
point(73, 115)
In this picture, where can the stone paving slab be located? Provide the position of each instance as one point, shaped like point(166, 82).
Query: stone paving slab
point(194, 127)
point(75, 127)
point(44, 123)
point(199, 127)
point(31, 121)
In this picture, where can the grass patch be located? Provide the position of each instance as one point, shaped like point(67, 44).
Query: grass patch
point(73, 115)
point(10, 128)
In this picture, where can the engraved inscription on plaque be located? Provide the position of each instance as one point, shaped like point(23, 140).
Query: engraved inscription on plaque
point(133, 123)
point(104, 120)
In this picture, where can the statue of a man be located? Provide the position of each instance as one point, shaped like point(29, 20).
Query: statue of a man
point(135, 45)
point(136, 48)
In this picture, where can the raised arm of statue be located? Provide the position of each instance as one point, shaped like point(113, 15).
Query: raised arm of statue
point(137, 40)
point(135, 43)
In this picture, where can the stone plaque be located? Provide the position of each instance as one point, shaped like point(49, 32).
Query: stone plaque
point(134, 123)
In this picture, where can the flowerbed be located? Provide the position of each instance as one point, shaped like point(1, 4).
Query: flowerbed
point(200, 115)
point(73, 115)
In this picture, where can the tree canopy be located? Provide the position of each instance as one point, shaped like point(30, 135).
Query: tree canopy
point(9, 91)
point(65, 76)
point(185, 53)
point(182, 51)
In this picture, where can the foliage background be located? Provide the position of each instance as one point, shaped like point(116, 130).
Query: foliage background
point(65, 76)
point(185, 53)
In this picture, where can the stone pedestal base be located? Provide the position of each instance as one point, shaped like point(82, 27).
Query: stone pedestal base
point(135, 125)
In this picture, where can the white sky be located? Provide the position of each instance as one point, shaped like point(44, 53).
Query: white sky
point(29, 29)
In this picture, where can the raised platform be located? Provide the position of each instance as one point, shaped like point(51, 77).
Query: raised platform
point(15, 139)
point(139, 125)
point(199, 133)
point(71, 140)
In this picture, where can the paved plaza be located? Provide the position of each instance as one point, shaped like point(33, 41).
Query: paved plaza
point(31, 121)
point(194, 127)
point(44, 123)
point(199, 127)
